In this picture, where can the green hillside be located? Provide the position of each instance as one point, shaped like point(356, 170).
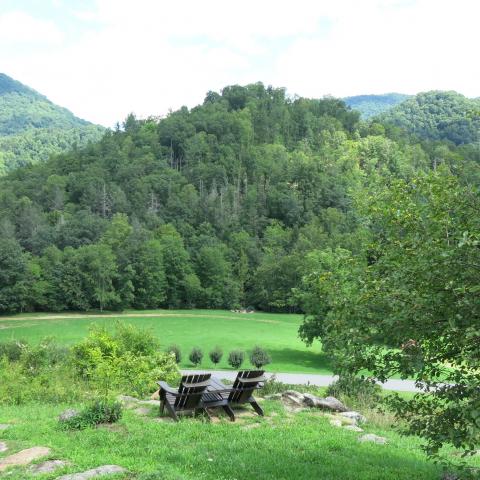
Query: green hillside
point(371, 105)
point(438, 115)
point(223, 205)
point(32, 128)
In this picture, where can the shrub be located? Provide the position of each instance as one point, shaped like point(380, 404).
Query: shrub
point(12, 349)
point(175, 349)
point(100, 411)
point(235, 358)
point(216, 355)
point(259, 357)
point(136, 340)
point(362, 390)
point(196, 356)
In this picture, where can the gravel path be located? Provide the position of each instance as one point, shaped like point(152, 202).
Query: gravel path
point(312, 379)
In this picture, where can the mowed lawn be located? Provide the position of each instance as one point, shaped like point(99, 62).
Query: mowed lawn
point(278, 446)
point(277, 333)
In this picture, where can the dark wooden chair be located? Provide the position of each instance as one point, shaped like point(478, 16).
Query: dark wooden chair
point(188, 396)
point(239, 393)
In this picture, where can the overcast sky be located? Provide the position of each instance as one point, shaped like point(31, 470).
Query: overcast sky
point(105, 58)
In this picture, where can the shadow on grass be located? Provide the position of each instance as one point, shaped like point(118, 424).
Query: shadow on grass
point(302, 359)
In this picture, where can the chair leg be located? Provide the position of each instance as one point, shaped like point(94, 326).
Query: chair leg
point(171, 411)
point(207, 413)
point(257, 408)
point(229, 412)
point(162, 407)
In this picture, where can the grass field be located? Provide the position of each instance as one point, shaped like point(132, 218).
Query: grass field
point(282, 446)
point(278, 333)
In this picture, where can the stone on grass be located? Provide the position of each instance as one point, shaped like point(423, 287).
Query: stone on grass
point(353, 428)
point(156, 395)
point(331, 403)
point(4, 426)
point(142, 411)
point(3, 447)
point(23, 457)
point(127, 399)
point(355, 416)
point(154, 403)
point(68, 414)
point(47, 467)
point(335, 422)
point(94, 473)
point(371, 437)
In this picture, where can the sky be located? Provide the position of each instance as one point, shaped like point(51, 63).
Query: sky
point(103, 59)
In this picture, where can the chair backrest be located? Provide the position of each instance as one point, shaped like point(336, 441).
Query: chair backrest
point(245, 384)
point(191, 390)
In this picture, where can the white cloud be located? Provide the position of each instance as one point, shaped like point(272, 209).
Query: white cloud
point(18, 27)
point(150, 56)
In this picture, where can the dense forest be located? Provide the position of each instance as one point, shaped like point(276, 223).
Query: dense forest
point(32, 128)
point(223, 205)
point(371, 105)
point(438, 115)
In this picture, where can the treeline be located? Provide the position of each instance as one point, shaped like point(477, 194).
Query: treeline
point(217, 206)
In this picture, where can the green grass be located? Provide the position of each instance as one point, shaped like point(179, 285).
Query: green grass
point(278, 333)
point(300, 446)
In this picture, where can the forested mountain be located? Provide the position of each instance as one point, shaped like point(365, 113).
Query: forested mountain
point(438, 115)
point(218, 206)
point(371, 105)
point(32, 128)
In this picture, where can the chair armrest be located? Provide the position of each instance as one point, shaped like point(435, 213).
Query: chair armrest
point(167, 388)
point(252, 380)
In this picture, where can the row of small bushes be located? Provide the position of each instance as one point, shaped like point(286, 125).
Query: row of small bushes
point(258, 356)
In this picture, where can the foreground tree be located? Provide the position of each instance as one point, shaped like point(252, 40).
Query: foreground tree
point(418, 294)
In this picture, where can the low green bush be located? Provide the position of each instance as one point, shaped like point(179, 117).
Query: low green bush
point(196, 356)
point(13, 349)
point(259, 357)
point(361, 390)
point(100, 411)
point(216, 355)
point(236, 358)
point(175, 349)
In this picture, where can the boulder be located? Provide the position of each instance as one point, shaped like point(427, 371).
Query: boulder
point(335, 422)
point(47, 467)
point(4, 426)
point(94, 473)
point(68, 414)
point(370, 437)
point(3, 447)
point(355, 416)
point(353, 428)
point(153, 403)
point(24, 457)
point(127, 399)
point(155, 395)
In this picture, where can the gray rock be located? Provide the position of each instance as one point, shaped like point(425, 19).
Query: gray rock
point(290, 399)
point(47, 467)
point(127, 399)
point(154, 403)
point(4, 426)
point(3, 447)
point(370, 437)
point(294, 394)
point(335, 422)
point(355, 416)
point(68, 414)
point(93, 473)
point(353, 428)
point(142, 411)
point(329, 403)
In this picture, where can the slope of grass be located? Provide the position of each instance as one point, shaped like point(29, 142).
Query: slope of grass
point(188, 328)
point(283, 446)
